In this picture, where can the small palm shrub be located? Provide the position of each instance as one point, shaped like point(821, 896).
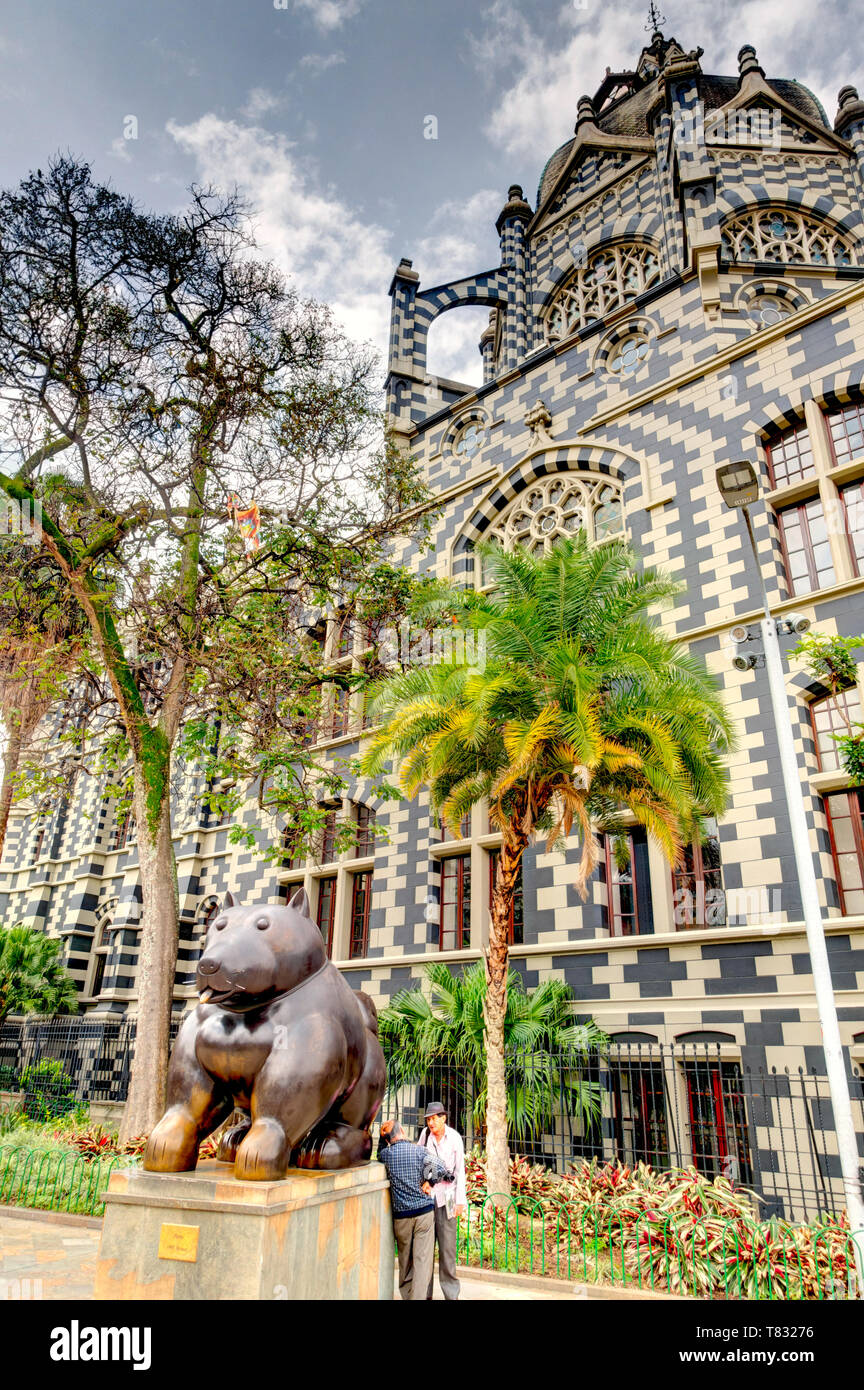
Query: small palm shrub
point(546, 1051)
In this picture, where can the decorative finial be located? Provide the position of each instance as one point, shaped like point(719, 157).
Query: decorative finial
point(584, 111)
point(655, 19)
point(747, 61)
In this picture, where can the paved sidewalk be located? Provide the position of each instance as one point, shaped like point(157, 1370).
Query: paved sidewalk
point(46, 1259)
point(50, 1258)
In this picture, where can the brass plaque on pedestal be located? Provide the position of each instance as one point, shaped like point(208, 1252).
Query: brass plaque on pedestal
point(178, 1243)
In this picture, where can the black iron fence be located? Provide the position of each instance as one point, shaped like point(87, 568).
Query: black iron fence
point(669, 1106)
point(56, 1063)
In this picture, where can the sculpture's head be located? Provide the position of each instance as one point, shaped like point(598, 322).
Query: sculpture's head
point(254, 953)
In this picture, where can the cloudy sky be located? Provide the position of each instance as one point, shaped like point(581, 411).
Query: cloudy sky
point(320, 111)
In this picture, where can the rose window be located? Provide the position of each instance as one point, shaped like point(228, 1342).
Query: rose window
point(769, 308)
point(469, 441)
point(629, 355)
point(609, 278)
point(561, 506)
point(785, 235)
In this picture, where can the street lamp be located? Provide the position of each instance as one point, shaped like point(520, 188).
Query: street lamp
point(739, 488)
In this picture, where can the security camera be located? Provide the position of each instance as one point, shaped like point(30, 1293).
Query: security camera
point(744, 661)
point(796, 623)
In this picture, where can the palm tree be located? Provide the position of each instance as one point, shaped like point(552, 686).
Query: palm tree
point(546, 1050)
point(582, 710)
point(33, 978)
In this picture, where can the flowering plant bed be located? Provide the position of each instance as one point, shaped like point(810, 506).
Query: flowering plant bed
point(677, 1231)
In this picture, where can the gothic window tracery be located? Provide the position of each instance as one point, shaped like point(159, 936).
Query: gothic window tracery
point(785, 235)
point(610, 276)
point(561, 506)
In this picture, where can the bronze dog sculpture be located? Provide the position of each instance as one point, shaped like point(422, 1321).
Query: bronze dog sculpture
point(280, 1034)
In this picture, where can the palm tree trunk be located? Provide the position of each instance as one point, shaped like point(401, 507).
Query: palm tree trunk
point(494, 1011)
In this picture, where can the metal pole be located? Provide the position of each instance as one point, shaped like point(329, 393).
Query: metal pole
point(838, 1084)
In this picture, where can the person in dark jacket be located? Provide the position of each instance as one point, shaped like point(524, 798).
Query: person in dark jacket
point(411, 1170)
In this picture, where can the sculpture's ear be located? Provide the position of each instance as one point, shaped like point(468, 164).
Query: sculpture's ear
point(300, 902)
point(230, 901)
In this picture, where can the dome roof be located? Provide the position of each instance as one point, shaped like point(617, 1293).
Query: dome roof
point(628, 116)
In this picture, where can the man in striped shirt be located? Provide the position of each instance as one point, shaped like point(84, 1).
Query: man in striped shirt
point(411, 1171)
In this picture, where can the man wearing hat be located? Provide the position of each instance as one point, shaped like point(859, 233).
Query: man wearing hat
point(448, 1194)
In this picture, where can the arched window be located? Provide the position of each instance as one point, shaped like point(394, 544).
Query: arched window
point(786, 235)
point(561, 506)
point(609, 277)
point(101, 952)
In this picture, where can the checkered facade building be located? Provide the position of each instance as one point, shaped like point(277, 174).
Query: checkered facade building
point(662, 162)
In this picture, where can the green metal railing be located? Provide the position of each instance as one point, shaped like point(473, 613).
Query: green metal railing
point(51, 1180)
point(709, 1258)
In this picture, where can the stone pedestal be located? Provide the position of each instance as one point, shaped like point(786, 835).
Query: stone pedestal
point(204, 1235)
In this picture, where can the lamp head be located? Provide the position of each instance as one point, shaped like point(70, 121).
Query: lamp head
point(738, 484)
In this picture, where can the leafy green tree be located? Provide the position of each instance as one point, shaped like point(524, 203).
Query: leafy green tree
point(43, 638)
point(545, 1049)
point(163, 372)
point(832, 659)
point(581, 709)
point(33, 978)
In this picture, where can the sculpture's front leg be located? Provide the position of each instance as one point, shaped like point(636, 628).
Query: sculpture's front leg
point(196, 1105)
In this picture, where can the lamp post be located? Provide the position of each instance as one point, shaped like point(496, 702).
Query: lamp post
point(739, 488)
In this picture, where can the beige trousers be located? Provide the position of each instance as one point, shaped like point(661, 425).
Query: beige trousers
point(415, 1243)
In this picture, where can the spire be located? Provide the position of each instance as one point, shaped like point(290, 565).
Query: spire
point(655, 19)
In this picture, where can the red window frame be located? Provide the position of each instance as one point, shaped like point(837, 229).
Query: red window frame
point(464, 828)
point(813, 574)
point(340, 712)
point(838, 429)
point(365, 840)
point(325, 914)
point(698, 881)
point(790, 458)
point(854, 800)
point(516, 923)
point(456, 870)
point(716, 1112)
point(854, 535)
point(361, 896)
point(620, 923)
point(644, 1086)
point(837, 725)
point(328, 836)
point(122, 831)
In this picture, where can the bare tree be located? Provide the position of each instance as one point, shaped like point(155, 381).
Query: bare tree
point(164, 370)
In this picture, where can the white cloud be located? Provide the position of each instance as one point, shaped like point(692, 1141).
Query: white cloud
point(120, 149)
point(329, 14)
point(317, 63)
point(331, 251)
point(461, 241)
point(327, 248)
point(260, 102)
point(539, 77)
